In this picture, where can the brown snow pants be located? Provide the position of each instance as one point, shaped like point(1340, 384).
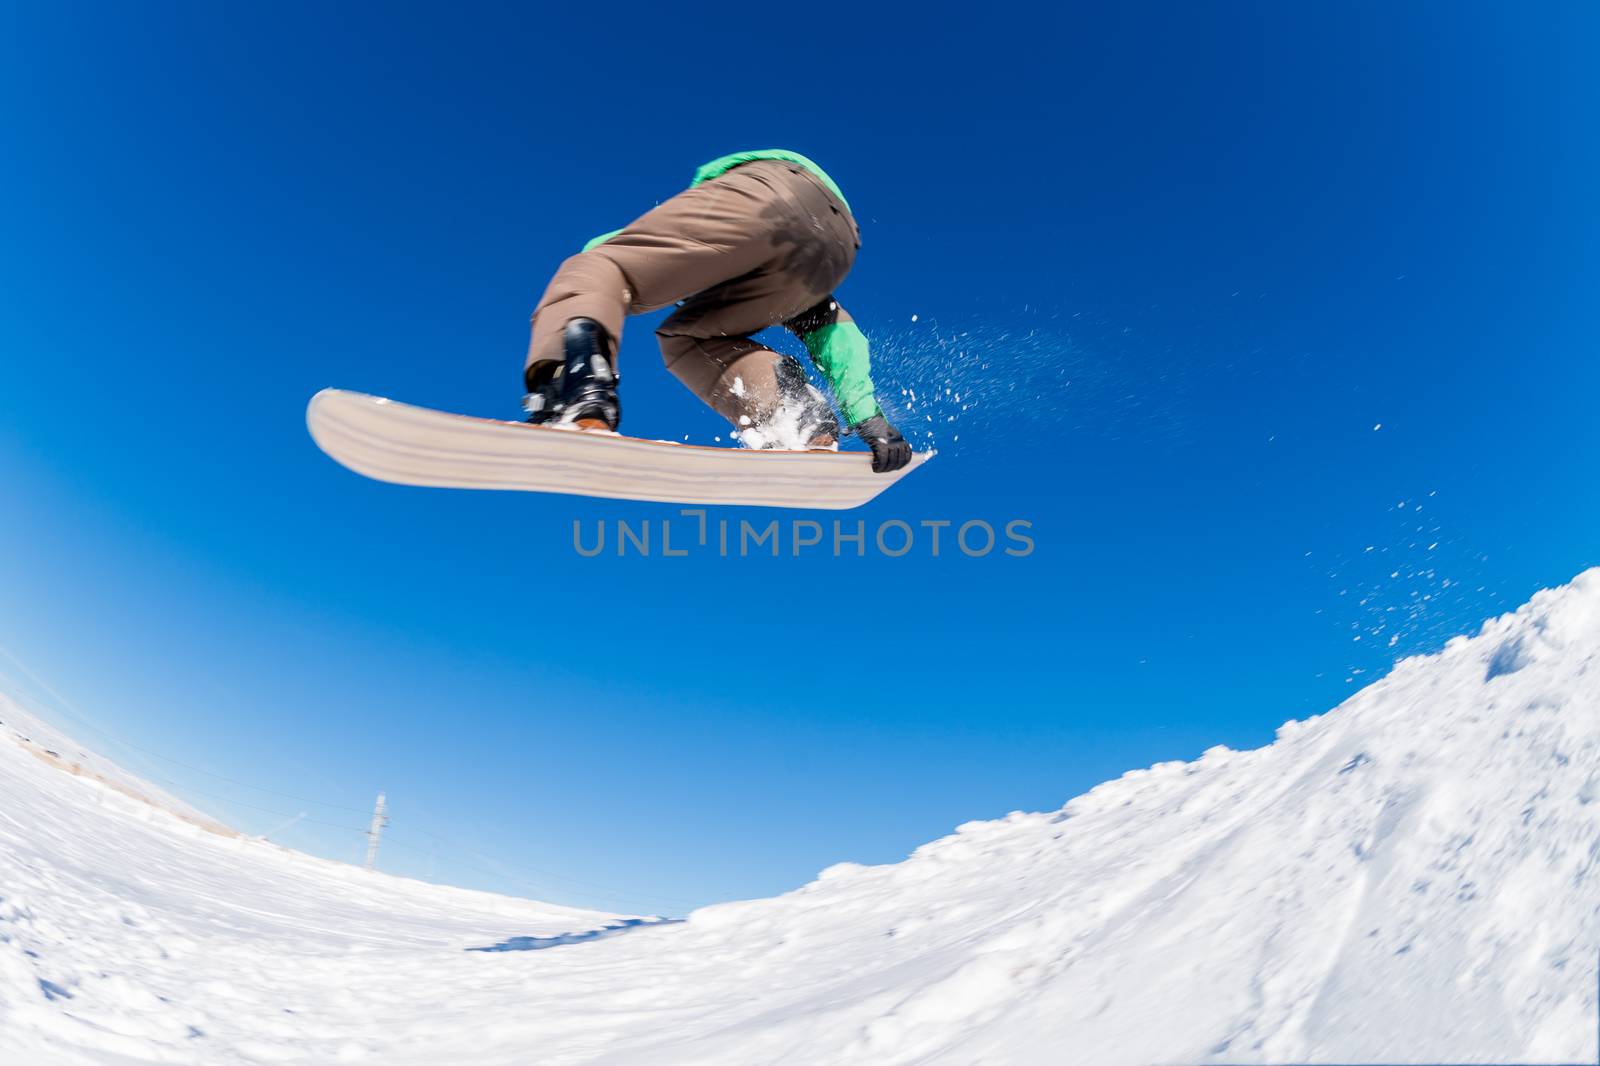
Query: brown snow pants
point(756, 247)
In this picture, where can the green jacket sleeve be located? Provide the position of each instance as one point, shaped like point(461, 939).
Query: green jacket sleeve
point(840, 351)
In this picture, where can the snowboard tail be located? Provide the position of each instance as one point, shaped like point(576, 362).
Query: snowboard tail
point(407, 445)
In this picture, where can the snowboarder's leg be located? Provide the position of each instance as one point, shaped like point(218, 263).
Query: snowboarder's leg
point(698, 239)
point(765, 395)
point(589, 286)
point(706, 342)
point(751, 249)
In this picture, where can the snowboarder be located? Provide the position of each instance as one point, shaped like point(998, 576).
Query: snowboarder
point(758, 239)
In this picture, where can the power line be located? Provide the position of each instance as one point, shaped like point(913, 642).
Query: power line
point(251, 806)
point(516, 875)
point(246, 784)
point(63, 704)
point(169, 759)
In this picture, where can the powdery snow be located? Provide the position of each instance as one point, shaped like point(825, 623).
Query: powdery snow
point(790, 428)
point(1412, 877)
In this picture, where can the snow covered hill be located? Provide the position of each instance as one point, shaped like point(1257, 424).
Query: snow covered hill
point(1412, 877)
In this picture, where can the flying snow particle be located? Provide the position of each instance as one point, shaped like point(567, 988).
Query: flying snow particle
point(1377, 427)
point(913, 318)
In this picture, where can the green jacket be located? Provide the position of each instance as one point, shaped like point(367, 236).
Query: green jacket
point(839, 349)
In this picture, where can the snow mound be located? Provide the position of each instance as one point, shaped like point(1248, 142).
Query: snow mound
point(1412, 877)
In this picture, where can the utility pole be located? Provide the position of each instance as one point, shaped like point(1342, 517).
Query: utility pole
point(379, 820)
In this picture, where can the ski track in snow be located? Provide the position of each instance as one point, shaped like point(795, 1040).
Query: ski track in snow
point(1412, 877)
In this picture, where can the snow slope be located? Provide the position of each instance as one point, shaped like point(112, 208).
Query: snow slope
point(1412, 877)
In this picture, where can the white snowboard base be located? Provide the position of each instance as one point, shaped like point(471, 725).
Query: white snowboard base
point(409, 445)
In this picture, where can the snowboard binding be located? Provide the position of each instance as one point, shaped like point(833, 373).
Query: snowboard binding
point(581, 390)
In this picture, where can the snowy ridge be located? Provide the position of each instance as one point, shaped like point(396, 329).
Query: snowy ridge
point(1412, 877)
point(50, 745)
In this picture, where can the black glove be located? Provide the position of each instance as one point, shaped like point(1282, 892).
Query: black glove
point(890, 451)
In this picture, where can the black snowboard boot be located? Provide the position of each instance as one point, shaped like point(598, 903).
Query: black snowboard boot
point(582, 390)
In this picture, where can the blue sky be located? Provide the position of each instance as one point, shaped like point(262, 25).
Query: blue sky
point(1180, 264)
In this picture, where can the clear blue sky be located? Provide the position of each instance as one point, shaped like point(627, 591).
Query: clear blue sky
point(1197, 255)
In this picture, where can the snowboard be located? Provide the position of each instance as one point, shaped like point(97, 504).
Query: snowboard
point(397, 442)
